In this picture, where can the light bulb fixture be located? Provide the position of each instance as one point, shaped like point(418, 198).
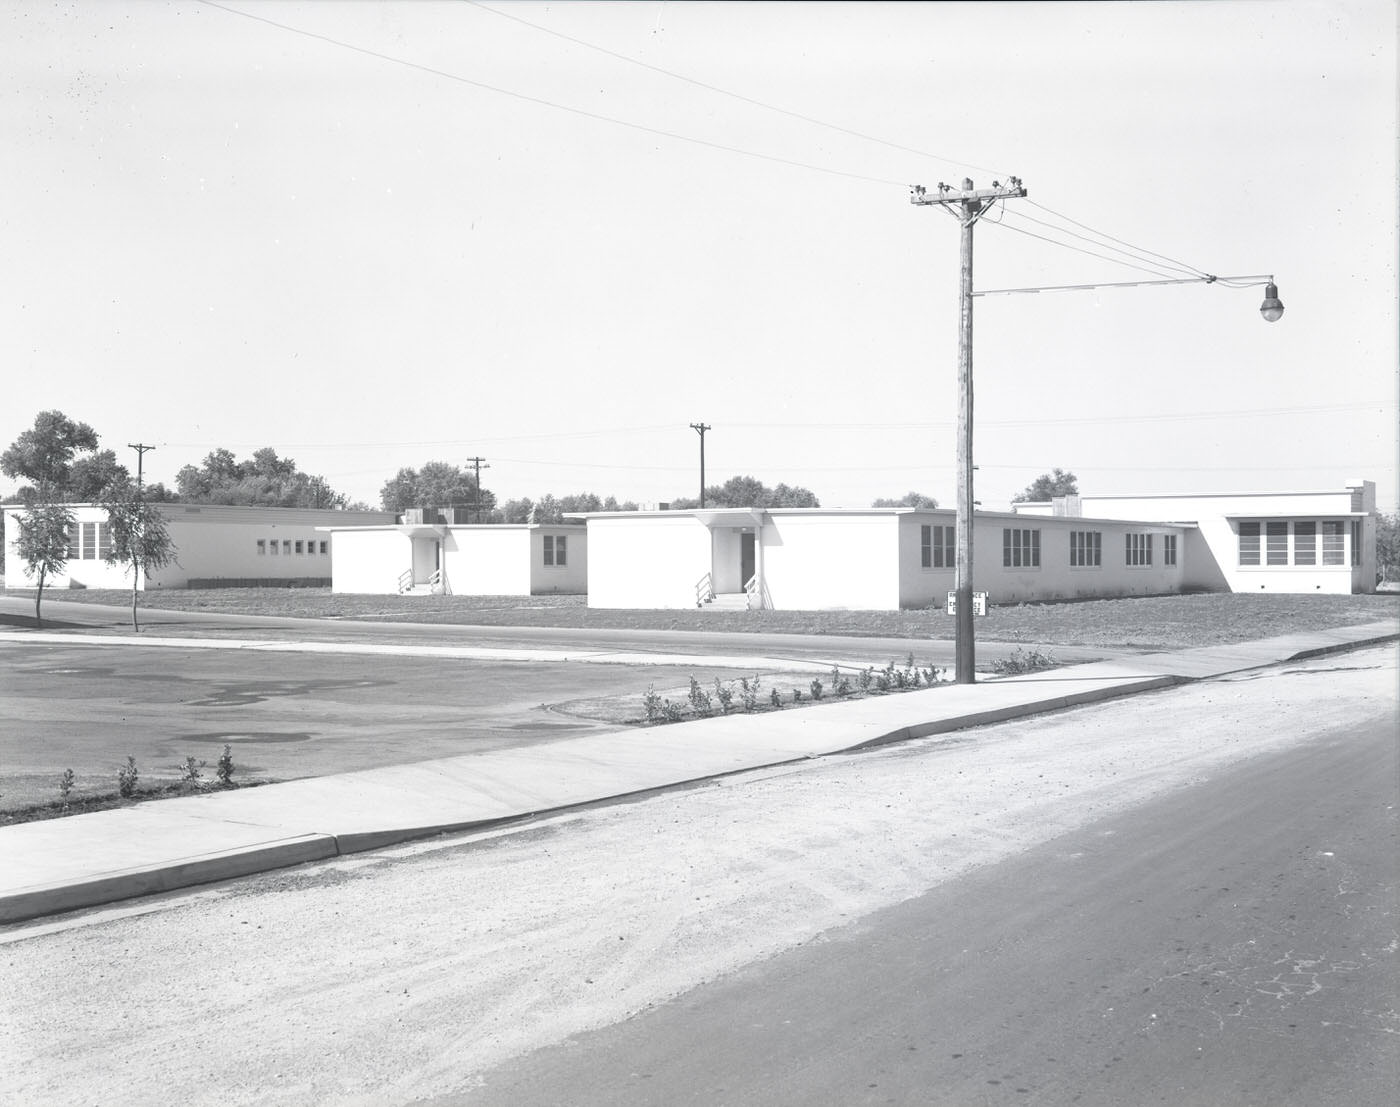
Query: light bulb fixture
point(1272, 307)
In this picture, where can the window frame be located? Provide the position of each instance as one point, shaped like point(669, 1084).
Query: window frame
point(1020, 548)
point(1137, 549)
point(937, 546)
point(1086, 549)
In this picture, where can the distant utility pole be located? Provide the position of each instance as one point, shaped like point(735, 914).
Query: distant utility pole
point(701, 428)
point(968, 205)
point(141, 449)
point(480, 463)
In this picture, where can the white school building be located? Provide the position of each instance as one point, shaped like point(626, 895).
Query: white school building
point(890, 558)
point(215, 546)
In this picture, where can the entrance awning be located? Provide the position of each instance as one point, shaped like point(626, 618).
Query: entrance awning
point(730, 517)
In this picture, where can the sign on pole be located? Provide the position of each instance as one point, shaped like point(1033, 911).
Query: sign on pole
point(979, 603)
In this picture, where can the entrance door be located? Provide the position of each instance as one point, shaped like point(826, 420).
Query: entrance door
point(746, 558)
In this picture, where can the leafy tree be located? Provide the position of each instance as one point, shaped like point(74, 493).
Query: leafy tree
point(1047, 486)
point(1387, 548)
point(263, 480)
point(43, 545)
point(909, 499)
point(436, 484)
point(140, 538)
point(91, 473)
point(44, 456)
point(750, 492)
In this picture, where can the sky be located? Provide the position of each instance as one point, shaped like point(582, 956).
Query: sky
point(553, 236)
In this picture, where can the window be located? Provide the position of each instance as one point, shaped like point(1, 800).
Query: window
point(1138, 549)
point(1333, 543)
point(104, 540)
point(1276, 543)
point(299, 545)
point(1085, 549)
point(1249, 543)
point(1020, 548)
point(274, 547)
point(1356, 541)
point(936, 547)
point(287, 546)
point(1168, 549)
point(324, 546)
point(72, 542)
point(89, 541)
point(555, 550)
point(262, 547)
point(1304, 543)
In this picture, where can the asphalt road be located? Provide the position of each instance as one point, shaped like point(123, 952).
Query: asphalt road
point(1233, 943)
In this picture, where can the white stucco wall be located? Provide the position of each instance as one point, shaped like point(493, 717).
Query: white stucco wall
point(828, 561)
point(369, 560)
point(213, 543)
point(488, 560)
point(646, 560)
point(569, 579)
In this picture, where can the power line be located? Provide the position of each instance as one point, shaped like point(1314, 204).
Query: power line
point(597, 116)
point(727, 92)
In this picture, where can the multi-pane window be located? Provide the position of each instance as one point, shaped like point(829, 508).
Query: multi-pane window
point(1276, 543)
point(1085, 548)
point(936, 547)
point(1356, 541)
point(89, 541)
point(1249, 543)
point(262, 547)
point(1305, 543)
point(72, 553)
point(1020, 548)
point(325, 545)
point(96, 541)
point(1138, 549)
point(1168, 549)
point(555, 550)
point(299, 545)
point(1333, 542)
point(273, 547)
point(287, 546)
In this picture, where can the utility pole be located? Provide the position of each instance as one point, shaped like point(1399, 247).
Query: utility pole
point(480, 463)
point(141, 450)
point(967, 205)
point(701, 428)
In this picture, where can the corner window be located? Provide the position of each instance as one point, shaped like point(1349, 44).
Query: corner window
point(1249, 543)
point(1020, 548)
point(1085, 549)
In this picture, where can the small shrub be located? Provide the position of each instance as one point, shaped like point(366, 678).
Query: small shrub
point(724, 693)
point(127, 778)
point(191, 772)
point(224, 768)
point(797, 695)
point(865, 678)
point(1023, 661)
point(748, 693)
point(816, 687)
point(651, 701)
point(700, 701)
point(774, 699)
point(65, 786)
point(672, 712)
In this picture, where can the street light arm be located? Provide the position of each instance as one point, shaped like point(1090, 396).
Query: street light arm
point(1250, 280)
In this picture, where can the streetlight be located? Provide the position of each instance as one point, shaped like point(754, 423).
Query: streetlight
point(968, 205)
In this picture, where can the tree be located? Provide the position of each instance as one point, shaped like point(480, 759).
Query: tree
point(909, 499)
point(43, 455)
point(436, 484)
point(263, 480)
point(750, 492)
point(1387, 548)
point(140, 538)
point(91, 473)
point(42, 545)
point(1047, 486)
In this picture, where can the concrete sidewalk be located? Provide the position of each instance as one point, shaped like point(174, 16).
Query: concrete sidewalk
point(62, 864)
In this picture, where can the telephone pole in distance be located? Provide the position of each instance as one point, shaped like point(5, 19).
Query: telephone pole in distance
point(701, 428)
point(141, 449)
point(480, 463)
point(967, 205)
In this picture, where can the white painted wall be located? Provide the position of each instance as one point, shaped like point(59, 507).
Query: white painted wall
point(212, 543)
point(569, 579)
point(369, 560)
point(830, 561)
point(646, 560)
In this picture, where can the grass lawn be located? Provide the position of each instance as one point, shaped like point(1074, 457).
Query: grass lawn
point(1152, 622)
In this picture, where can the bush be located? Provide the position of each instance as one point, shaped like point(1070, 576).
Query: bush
point(127, 778)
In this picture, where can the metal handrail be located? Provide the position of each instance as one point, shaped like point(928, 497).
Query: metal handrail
point(704, 590)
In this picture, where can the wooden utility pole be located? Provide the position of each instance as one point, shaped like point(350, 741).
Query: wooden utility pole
point(701, 428)
point(141, 450)
point(967, 204)
point(480, 463)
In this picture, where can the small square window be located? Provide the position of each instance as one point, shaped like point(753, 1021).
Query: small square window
point(299, 545)
point(324, 548)
point(262, 547)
